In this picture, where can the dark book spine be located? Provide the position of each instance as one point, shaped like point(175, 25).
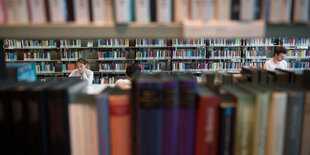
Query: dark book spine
point(227, 124)
point(235, 7)
point(187, 118)
point(293, 127)
point(170, 117)
point(153, 10)
point(6, 145)
point(70, 10)
point(59, 138)
point(19, 130)
point(150, 118)
point(37, 122)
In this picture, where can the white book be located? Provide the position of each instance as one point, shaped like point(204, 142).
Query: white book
point(276, 123)
point(143, 11)
point(2, 12)
point(301, 11)
point(206, 10)
point(305, 140)
point(99, 11)
point(194, 9)
point(122, 11)
point(10, 8)
point(38, 11)
point(164, 11)
point(109, 11)
point(22, 13)
point(247, 10)
point(276, 9)
point(287, 11)
point(223, 8)
point(180, 10)
point(58, 9)
point(81, 11)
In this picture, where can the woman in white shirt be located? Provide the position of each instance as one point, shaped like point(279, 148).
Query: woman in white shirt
point(82, 71)
point(130, 70)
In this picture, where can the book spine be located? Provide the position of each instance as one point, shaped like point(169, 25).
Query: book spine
point(120, 121)
point(143, 11)
point(170, 117)
point(58, 121)
point(227, 128)
point(81, 11)
point(58, 11)
point(164, 13)
point(305, 140)
point(37, 9)
point(122, 11)
point(207, 127)
point(99, 11)
point(103, 124)
point(150, 118)
point(293, 123)
point(187, 118)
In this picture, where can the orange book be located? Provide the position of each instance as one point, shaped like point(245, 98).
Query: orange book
point(71, 67)
point(120, 131)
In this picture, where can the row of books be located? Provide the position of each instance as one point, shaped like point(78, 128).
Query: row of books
point(113, 43)
point(189, 53)
point(112, 55)
point(146, 11)
point(31, 43)
point(151, 42)
point(44, 67)
point(226, 53)
point(107, 79)
point(195, 66)
point(153, 54)
point(146, 42)
point(37, 55)
point(10, 56)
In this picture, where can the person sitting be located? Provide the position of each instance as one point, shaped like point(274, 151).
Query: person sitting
point(126, 83)
point(278, 59)
point(82, 71)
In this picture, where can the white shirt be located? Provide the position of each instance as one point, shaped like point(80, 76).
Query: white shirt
point(270, 65)
point(123, 84)
point(88, 75)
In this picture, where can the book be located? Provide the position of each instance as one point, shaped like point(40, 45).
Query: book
point(261, 103)
point(206, 10)
point(58, 99)
point(170, 114)
point(305, 136)
point(207, 122)
point(122, 11)
point(143, 11)
point(276, 122)
point(301, 11)
point(222, 9)
point(227, 124)
point(81, 11)
point(58, 11)
point(187, 114)
point(21, 71)
point(181, 10)
point(36, 108)
point(3, 14)
point(99, 11)
point(120, 121)
point(244, 128)
point(164, 11)
point(102, 101)
point(293, 124)
point(149, 98)
point(38, 11)
point(194, 10)
point(247, 10)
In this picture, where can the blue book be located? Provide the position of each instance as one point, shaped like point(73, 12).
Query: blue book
point(102, 102)
point(22, 71)
point(150, 117)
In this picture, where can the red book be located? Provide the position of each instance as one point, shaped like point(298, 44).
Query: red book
point(207, 126)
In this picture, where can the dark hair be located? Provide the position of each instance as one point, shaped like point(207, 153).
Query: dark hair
point(279, 50)
point(131, 69)
point(82, 60)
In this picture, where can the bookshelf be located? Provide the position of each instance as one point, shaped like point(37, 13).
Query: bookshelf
point(108, 57)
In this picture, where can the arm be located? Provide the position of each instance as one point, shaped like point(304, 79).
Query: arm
point(88, 76)
point(72, 74)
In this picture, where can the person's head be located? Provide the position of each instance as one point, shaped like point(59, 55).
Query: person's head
point(80, 64)
point(280, 53)
point(131, 69)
